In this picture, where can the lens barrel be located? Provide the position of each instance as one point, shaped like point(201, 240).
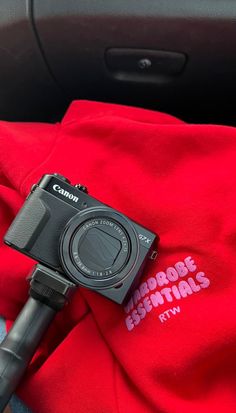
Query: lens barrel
point(98, 248)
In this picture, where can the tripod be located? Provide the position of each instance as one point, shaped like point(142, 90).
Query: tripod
point(49, 291)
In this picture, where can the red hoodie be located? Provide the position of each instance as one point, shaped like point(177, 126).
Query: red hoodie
point(172, 347)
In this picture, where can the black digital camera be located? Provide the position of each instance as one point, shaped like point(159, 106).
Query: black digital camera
point(95, 246)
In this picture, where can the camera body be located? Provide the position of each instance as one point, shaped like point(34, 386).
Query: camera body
point(93, 245)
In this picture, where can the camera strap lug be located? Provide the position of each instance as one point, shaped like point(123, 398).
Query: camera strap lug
point(154, 255)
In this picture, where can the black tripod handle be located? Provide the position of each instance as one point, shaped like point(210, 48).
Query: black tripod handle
point(19, 345)
point(48, 293)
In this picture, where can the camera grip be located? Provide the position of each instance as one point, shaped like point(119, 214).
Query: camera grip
point(19, 345)
point(32, 217)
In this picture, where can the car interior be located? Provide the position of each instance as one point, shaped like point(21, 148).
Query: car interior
point(172, 56)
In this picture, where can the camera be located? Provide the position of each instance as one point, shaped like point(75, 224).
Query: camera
point(93, 245)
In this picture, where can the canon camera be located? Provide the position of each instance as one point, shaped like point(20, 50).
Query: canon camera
point(95, 246)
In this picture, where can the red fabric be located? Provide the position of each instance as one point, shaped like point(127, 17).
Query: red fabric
point(172, 349)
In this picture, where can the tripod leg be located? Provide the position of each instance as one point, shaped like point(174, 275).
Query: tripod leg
point(19, 345)
point(48, 293)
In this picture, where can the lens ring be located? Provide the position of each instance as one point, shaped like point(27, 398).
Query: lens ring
point(125, 260)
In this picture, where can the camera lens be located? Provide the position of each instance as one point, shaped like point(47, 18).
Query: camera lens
point(98, 247)
point(105, 256)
